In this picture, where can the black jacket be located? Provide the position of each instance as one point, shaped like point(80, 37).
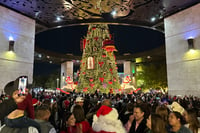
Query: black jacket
point(6, 107)
point(142, 128)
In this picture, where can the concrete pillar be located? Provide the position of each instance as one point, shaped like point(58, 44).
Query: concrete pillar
point(66, 71)
point(20, 62)
point(183, 66)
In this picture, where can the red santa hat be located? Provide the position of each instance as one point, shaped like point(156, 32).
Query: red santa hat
point(106, 121)
point(35, 102)
point(104, 110)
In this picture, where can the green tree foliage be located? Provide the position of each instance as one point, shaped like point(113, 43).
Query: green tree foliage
point(98, 68)
point(153, 75)
point(46, 81)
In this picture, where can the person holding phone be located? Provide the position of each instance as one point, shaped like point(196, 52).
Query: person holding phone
point(7, 106)
point(17, 118)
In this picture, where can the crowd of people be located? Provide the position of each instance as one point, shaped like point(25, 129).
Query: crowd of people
point(45, 112)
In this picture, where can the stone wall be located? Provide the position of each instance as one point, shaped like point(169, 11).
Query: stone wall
point(19, 62)
point(183, 65)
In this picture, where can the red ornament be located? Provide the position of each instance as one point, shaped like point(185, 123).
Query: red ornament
point(103, 55)
point(111, 69)
point(84, 43)
point(93, 28)
point(100, 63)
point(84, 73)
point(110, 35)
point(120, 89)
point(101, 79)
point(92, 85)
point(76, 82)
point(109, 82)
point(114, 80)
point(96, 38)
point(85, 89)
point(116, 67)
point(91, 79)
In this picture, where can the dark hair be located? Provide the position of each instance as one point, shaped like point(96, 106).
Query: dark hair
point(9, 88)
point(78, 113)
point(157, 124)
point(144, 108)
point(41, 111)
point(178, 116)
point(66, 116)
point(193, 121)
point(163, 112)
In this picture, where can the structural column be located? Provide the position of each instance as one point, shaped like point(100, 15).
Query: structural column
point(66, 72)
point(20, 30)
point(183, 65)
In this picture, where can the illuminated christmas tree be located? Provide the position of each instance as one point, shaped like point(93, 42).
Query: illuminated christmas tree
point(98, 69)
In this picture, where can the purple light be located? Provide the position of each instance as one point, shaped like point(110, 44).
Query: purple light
point(191, 34)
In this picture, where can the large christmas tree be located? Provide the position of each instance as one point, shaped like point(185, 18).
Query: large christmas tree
point(98, 69)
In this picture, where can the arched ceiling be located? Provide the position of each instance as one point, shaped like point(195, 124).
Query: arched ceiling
point(53, 13)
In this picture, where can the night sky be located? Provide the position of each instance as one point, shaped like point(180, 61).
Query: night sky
point(128, 39)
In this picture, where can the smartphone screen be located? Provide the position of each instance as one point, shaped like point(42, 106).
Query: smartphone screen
point(51, 100)
point(22, 86)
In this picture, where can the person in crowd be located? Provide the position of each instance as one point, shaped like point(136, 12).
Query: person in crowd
point(129, 111)
point(42, 115)
point(156, 124)
point(7, 106)
point(192, 121)
point(129, 123)
point(17, 118)
point(163, 111)
point(78, 101)
point(106, 121)
point(81, 122)
point(54, 118)
point(139, 122)
point(27, 106)
point(13, 120)
point(176, 122)
point(69, 123)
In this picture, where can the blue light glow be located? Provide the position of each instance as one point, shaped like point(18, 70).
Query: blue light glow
point(191, 34)
point(11, 38)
